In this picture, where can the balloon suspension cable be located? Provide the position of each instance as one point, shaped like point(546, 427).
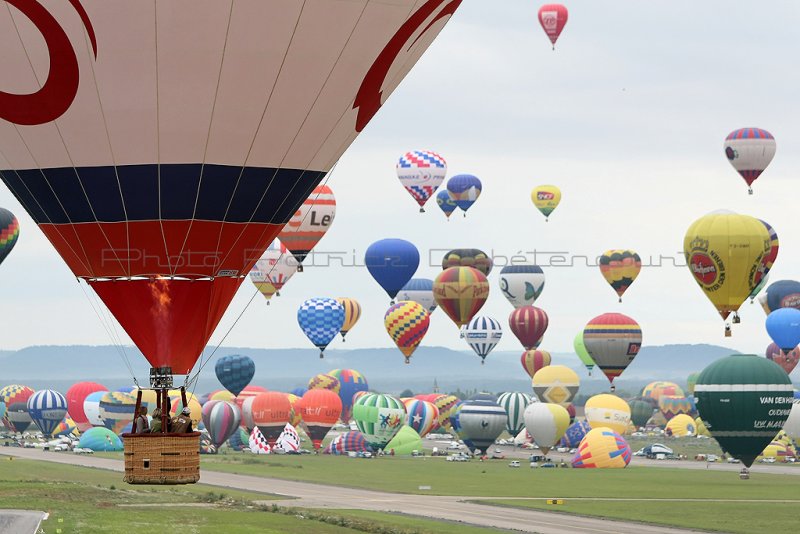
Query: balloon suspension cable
point(193, 379)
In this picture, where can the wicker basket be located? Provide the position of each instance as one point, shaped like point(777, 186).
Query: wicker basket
point(162, 458)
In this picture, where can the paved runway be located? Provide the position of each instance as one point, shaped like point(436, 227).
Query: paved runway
point(310, 495)
point(20, 521)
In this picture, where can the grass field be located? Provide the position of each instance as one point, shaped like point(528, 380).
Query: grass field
point(93, 501)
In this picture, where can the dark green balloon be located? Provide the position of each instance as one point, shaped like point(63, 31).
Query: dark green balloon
point(641, 411)
point(744, 401)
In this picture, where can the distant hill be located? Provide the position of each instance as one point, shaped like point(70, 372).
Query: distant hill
point(58, 367)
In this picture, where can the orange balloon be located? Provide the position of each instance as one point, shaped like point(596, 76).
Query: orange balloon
point(270, 412)
point(320, 409)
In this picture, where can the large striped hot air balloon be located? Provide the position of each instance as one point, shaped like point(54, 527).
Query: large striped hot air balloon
point(533, 360)
point(421, 172)
point(422, 416)
point(620, 268)
point(379, 417)
point(468, 257)
point(529, 324)
point(744, 400)
point(309, 223)
point(750, 151)
point(406, 323)
point(221, 419)
point(461, 293)
point(613, 341)
point(514, 403)
point(47, 409)
point(482, 334)
point(320, 409)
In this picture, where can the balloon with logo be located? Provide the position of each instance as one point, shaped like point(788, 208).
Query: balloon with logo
point(446, 203)
point(379, 418)
point(620, 268)
point(602, 448)
point(553, 18)
point(352, 312)
point(320, 409)
point(582, 352)
point(221, 419)
point(533, 360)
point(547, 423)
point(9, 233)
point(787, 360)
point(557, 384)
point(482, 421)
point(744, 400)
point(461, 292)
point(309, 223)
point(608, 411)
point(321, 319)
point(723, 251)
point(613, 340)
point(768, 261)
point(750, 151)
point(270, 413)
point(546, 199)
point(161, 149)
point(574, 434)
point(482, 334)
point(47, 409)
point(782, 294)
point(783, 326)
point(406, 323)
point(521, 284)
point(528, 324)
point(464, 190)
point(419, 290)
point(392, 263)
point(235, 372)
point(514, 403)
point(422, 416)
point(276, 267)
point(351, 382)
point(468, 257)
point(421, 172)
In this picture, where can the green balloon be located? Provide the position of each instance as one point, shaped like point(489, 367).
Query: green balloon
point(744, 401)
point(406, 441)
point(691, 380)
point(641, 411)
point(583, 354)
point(379, 418)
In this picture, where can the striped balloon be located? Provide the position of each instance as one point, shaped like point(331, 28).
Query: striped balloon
point(309, 223)
point(406, 323)
point(321, 319)
point(324, 381)
point(352, 312)
point(16, 398)
point(421, 172)
point(482, 334)
point(620, 268)
point(468, 257)
point(613, 341)
point(379, 417)
point(235, 372)
point(221, 419)
point(529, 324)
point(446, 404)
point(514, 404)
point(116, 410)
point(422, 416)
point(482, 421)
point(533, 360)
point(350, 383)
point(47, 409)
point(461, 292)
point(672, 405)
point(602, 448)
point(750, 151)
point(9, 232)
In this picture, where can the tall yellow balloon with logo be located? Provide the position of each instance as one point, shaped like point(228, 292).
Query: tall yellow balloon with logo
point(546, 199)
point(724, 252)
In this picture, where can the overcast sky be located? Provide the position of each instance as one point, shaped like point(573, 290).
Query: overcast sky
point(627, 116)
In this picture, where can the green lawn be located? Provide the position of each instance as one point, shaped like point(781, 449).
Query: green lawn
point(93, 501)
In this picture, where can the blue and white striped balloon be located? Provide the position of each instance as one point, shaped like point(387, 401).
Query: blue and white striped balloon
point(321, 319)
point(47, 409)
point(419, 290)
point(482, 334)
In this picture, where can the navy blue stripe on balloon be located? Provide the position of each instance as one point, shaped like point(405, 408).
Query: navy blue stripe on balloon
point(138, 193)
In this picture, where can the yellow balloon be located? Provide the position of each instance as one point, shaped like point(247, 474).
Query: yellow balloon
point(546, 198)
point(608, 411)
point(352, 312)
point(602, 448)
point(681, 425)
point(724, 251)
point(557, 384)
point(700, 427)
point(620, 268)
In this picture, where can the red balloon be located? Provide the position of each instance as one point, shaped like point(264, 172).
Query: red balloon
point(270, 412)
point(553, 18)
point(529, 324)
point(320, 409)
point(75, 396)
point(533, 360)
point(787, 361)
